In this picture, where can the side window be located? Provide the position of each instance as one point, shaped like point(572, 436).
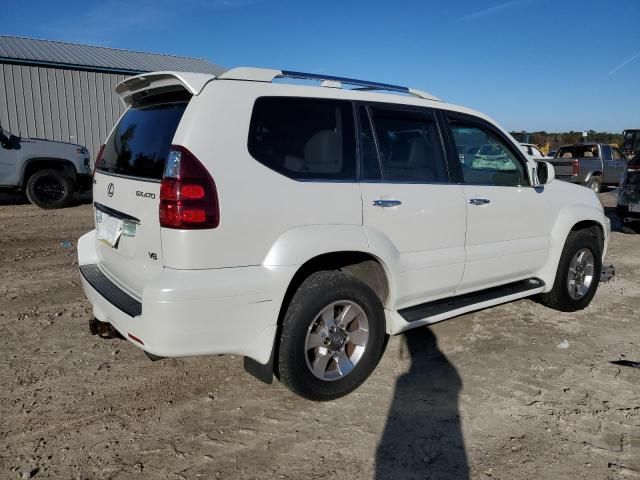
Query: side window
point(410, 147)
point(606, 153)
point(368, 151)
point(487, 160)
point(304, 138)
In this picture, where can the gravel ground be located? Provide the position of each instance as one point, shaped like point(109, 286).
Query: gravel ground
point(484, 395)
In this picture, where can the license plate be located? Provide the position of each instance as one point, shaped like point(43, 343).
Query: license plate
point(109, 229)
point(634, 207)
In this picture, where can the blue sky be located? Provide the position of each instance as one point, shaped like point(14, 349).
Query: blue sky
point(549, 65)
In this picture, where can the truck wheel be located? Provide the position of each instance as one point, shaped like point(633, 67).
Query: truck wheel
point(49, 189)
point(332, 336)
point(578, 273)
point(595, 184)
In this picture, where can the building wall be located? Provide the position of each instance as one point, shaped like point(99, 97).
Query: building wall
point(57, 104)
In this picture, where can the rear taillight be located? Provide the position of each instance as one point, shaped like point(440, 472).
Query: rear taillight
point(98, 159)
point(188, 196)
point(576, 166)
point(633, 167)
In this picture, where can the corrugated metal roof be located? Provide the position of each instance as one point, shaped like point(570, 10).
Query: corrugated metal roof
point(86, 57)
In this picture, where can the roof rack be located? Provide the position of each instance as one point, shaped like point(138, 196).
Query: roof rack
point(268, 75)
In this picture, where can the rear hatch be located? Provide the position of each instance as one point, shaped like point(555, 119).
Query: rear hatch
point(126, 189)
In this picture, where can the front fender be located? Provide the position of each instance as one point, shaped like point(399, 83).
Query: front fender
point(567, 218)
point(70, 167)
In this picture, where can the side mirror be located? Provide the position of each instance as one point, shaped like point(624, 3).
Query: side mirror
point(545, 173)
point(13, 143)
point(4, 140)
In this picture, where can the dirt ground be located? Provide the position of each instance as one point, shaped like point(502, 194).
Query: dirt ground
point(484, 395)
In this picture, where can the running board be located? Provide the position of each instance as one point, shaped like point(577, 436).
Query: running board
point(442, 306)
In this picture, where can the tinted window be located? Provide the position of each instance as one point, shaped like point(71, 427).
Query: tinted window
point(487, 160)
point(370, 162)
point(140, 143)
point(409, 146)
point(304, 138)
point(606, 152)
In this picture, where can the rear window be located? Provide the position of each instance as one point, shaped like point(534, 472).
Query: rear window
point(139, 145)
point(578, 151)
point(304, 138)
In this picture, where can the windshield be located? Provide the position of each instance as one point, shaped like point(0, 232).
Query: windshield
point(139, 145)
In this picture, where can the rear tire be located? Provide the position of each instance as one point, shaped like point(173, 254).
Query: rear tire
point(332, 338)
point(595, 184)
point(578, 273)
point(49, 189)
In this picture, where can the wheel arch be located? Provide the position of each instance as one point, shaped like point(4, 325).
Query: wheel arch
point(571, 219)
point(35, 164)
point(360, 264)
point(591, 174)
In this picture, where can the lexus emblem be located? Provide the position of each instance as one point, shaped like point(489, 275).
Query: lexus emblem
point(110, 189)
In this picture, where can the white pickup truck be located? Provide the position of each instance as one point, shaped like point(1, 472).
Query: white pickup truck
point(49, 172)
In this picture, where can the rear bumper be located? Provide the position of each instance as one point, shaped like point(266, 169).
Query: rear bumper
point(191, 312)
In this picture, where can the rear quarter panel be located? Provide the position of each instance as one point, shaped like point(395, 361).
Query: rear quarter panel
point(257, 205)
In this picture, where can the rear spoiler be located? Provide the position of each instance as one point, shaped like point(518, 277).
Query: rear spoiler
point(136, 87)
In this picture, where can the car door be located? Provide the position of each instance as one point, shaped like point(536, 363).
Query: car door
point(8, 159)
point(507, 221)
point(413, 215)
point(610, 171)
point(620, 164)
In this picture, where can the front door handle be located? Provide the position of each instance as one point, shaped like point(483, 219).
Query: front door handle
point(479, 201)
point(386, 203)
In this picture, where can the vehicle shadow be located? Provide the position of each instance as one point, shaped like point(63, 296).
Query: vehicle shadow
point(81, 199)
point(9, 199)
point(423, 438)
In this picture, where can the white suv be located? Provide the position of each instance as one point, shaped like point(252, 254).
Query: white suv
point(298, 225)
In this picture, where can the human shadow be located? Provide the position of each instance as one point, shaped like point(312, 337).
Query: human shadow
point(423, 438)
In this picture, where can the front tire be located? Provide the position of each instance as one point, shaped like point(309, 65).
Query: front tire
point(49, 189)
point(332, 336)
point(578, 273)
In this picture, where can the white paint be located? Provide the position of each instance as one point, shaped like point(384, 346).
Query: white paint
point(220, 290)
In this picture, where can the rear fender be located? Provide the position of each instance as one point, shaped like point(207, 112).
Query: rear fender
point(298, 245)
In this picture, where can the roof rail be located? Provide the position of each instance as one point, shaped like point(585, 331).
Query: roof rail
point(268, 75)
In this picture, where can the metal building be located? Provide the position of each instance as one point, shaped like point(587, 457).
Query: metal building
point(65, 92)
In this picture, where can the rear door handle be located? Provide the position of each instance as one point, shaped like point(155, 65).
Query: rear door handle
point(479, 201)
point(386, 203)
